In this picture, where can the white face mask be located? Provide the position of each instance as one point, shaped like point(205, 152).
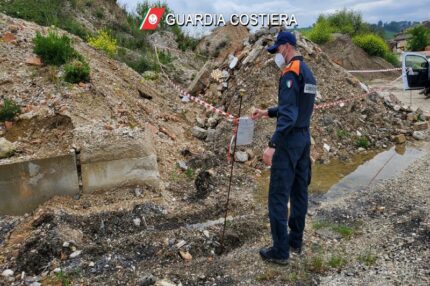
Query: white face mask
point(279, 60)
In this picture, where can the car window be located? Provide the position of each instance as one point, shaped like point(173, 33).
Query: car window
point(416, 62)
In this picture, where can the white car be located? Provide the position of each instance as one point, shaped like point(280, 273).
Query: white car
point(416, 72)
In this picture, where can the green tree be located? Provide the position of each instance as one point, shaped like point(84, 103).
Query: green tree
point(420, 38)
point(321, 32)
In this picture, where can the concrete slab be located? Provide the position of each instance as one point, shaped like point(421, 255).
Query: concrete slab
point(25, 185)
point(104, 175)
point(119, 161)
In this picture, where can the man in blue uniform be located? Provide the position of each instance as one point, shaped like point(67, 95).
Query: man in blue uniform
point(289, 150)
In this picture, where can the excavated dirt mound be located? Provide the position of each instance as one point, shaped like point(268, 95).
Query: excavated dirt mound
point(223, 41)
point(345, 53)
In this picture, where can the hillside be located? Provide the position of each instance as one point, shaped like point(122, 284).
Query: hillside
point(345, 53)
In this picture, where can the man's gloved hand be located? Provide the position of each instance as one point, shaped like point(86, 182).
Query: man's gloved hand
point(259, 113)
point(268, 155)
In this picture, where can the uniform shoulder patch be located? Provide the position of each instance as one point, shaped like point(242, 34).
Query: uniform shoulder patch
point(289, 83)
point(310, 88)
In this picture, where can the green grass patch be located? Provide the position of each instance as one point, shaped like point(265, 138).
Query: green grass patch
point(344, 230)
point(53, 48)
point(8, 110)
point(321, 224)
point(74, 27)
point(63, 279)
point(372, 44)
point(316, 264)
point(341, 133)
point(362, 142)
point(165, 57)
point(77, 71)
point(368, 258)
point(45, 13)
point(99, 13)
point(337, 261)
point(189, 173)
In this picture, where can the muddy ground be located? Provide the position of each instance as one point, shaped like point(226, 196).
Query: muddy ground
point(135, 236)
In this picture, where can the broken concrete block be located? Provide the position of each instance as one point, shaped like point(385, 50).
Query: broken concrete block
point(232, 62)
point(34, 61)
point(412, 117)
point(252, 55)
point(419, 135)
point(399, 139)
point(25, 185)
point(6, 148)
point(423, 125)
point(119, 161)
point(241, 156)
point(201, 80)
point(199, 132)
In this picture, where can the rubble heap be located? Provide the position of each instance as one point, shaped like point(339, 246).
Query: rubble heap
point(367, 123)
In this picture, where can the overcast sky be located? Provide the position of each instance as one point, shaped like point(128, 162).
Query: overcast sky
point(305, 11)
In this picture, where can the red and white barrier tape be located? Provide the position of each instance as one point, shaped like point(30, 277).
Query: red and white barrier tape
point(372, 71)
point(184, 93)
point(228, 115)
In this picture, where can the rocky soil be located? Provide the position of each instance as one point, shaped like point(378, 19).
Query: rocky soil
point(140, 235)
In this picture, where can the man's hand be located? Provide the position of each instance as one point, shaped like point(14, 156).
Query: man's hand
point(268, 155)
point(259, 113)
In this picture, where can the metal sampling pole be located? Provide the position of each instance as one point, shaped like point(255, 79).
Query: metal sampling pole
point(241, 93)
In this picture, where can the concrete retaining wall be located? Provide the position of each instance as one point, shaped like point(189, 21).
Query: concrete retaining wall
point(25, 185)
point(105, 175)
point(105, 164)
point(119, 161)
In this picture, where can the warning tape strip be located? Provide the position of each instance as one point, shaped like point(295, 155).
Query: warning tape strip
point(228, 115)
point(184, 93)
point(371, 71)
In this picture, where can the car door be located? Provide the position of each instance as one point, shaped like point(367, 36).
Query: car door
point(415, 71)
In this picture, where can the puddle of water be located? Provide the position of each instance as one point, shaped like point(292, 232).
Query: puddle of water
point(340, 176)
point(384, 165)
point(326, 175)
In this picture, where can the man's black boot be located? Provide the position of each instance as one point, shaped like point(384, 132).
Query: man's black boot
point(295, 250)
point(268, 255)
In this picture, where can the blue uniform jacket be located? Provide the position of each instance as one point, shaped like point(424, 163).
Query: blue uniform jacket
point(296, 97)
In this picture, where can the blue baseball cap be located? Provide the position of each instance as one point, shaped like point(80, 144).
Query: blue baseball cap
point(283, 38)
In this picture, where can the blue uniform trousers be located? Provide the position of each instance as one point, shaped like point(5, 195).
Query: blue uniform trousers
point(289, 179)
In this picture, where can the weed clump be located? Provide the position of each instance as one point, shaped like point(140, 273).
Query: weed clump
point(8, 110)
point(54, 49)
point(77, 71)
